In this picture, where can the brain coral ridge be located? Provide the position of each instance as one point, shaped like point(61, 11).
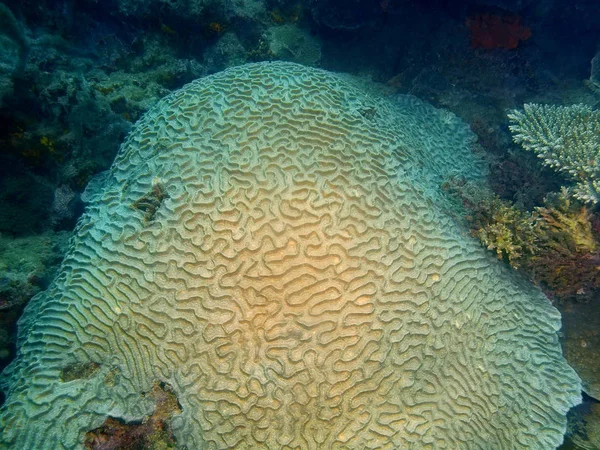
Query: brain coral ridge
point(298, 282)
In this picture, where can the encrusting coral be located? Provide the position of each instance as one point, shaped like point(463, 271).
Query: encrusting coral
point(301, 285)
point(490, 31)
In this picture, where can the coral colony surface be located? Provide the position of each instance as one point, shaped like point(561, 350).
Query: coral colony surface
point(299, 224)
point(271, 257)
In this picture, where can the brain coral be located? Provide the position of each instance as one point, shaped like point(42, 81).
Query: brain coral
point(272, 243)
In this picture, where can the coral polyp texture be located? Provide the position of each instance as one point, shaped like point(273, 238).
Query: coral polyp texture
point(566, 138)
point(299, 283)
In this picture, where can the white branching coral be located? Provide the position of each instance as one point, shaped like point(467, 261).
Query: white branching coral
point(567, 138)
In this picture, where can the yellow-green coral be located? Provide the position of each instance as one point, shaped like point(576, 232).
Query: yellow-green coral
point(566, 224)
point(500, 226)
point(567, 261)
point(554, 244)
point(507, 230)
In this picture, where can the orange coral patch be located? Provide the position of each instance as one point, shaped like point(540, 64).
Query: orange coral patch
point(489, 31)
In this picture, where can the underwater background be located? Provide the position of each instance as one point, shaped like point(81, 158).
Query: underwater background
point(76, 75)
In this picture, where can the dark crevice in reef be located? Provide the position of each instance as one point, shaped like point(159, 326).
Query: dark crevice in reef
point(581, 419)
point(153, 432)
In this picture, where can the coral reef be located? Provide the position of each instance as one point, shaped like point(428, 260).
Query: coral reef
point(152, 433)
point(594, 80)
point(78, 371)
point(566, 138)
point(554, 245)
point(74, 76)
point(193, 9)
point(245, 9)
point(27, 265)
point(145, 9)
point(228, 51)
point(336, 15)
point(75, 116)
point(490, 31)
point(303, 281)
point(584, 427)
point(507, 230)
point(25, 199)
point(150, 202)
point(291, 43)
point(581, 329)
point(567, 260)
point(65, 206)
point(15, 49)
point(500, 226)
point(518, 177)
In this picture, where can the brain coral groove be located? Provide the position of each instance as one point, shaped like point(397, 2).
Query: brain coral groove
point(301, 285)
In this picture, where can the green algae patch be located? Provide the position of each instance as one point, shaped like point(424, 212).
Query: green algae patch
point(78, 371)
